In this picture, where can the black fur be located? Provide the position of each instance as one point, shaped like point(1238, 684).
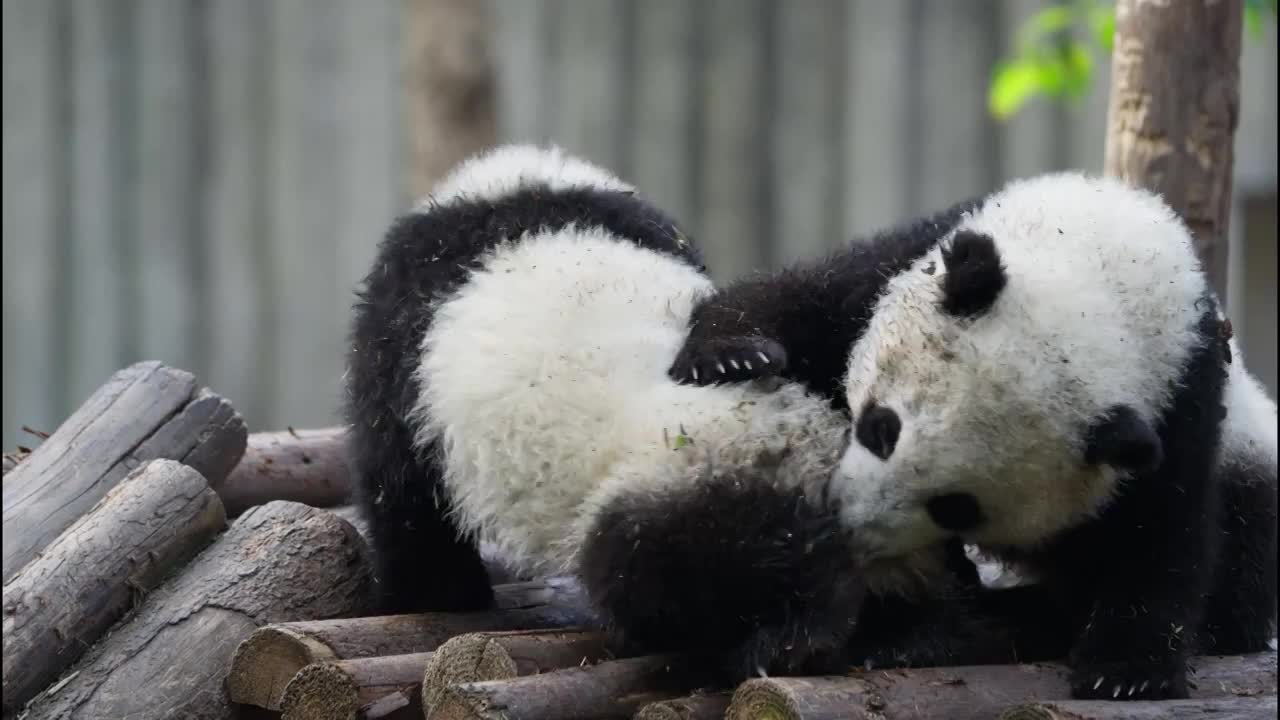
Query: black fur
point(877, 430)
point(805, 318)
point(1136, 578)
point(750, 575)
point(422, 562)
point(974, 276)
point(1123, 440)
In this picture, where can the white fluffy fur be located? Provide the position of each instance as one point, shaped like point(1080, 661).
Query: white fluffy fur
point(502, 171)
point(1100, 309)
point(546, 378)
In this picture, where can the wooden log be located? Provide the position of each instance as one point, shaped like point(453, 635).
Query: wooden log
point(476, 657)
point(306, 466)
point(62, 602)
point(278, 562)
point(269, 658)
point(614, 689)
point(705, 706)
point(345, 689)
point(1173, 109)
point(961, 693)
point(146, 411)
point(12, 459)
point(1231, 708)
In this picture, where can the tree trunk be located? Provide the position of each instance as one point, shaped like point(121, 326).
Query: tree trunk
point(1175, 99)
point(477, 657)
point(278, 562)
point(449, 86)
point(342, 689)
point(710, 706)
point(306, 466)
point(265, 662)
point(146, 411)
point(609, 690)
point(960, 693)
point(62, 602)
point(1229, 708)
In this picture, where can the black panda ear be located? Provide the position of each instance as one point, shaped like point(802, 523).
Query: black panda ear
point(974, 276)
point(1123, 440)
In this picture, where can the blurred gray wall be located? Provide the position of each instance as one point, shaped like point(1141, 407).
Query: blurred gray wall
point(203, 181)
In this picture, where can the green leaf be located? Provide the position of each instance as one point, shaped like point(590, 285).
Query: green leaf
point(1077, 63)
point(1102, 23)
point(1049, 21)
point(1013, 83)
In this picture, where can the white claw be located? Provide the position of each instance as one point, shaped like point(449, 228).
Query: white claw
point(1099, 683)
point(695, 374)
point(1116, 692)
point(1132, 690)
point(763, 358)
point(1164, 684)
point(747, 364)
point(1145, 683)
point(720, 368)
point(735, 365)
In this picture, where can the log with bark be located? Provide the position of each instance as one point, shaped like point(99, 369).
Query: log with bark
point(278, 562)
point(476, 657)
point(704, 706)
point(62, 602)
point(961, 693)
point(1230, 708)
point(269, 658)
point(306, 466)
point(146, 411)
point(1173, 110)
point(388, 686)
point(614, 689)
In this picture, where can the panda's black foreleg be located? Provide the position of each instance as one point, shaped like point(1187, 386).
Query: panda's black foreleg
point(1241, 615)
point(420, 560)
point(752, 577)
point(1150, 558)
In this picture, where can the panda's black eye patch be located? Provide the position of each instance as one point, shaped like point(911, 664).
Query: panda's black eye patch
point(878, 430)
point(955, 512)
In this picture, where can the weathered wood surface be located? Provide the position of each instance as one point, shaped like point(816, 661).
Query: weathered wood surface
point(146, 411)
point(62, 602)
point(1230, 708)
point(500, 655)
point(704, 706)
point(961, 693)
point(278, 562)
point(306, 466)
point(1175, 102)
point(343, 689)
point(269, 658)
point(613, 689)
point(451, 92)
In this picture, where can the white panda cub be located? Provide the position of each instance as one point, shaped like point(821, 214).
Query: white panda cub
point(507, 382)
point(1044, 372)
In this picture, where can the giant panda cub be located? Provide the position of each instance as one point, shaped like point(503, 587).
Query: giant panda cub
point(1053, 381)
point(507, 382)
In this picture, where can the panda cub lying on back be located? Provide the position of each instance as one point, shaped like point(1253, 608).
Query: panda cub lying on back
point(507, 383)
point(1044, 373)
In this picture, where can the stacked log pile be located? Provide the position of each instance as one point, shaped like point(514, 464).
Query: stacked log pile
point(159, 562)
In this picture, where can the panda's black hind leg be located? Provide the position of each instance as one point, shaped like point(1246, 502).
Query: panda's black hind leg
point(420, 560)
point(1241, 614)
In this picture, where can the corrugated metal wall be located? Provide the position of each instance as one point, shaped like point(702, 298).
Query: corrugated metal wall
point(203, 181)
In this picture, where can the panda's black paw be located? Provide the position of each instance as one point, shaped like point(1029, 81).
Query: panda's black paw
point(711, 361)
point(788, 650)
point(1138, 679)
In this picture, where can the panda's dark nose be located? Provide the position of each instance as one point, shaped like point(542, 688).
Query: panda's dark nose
point(878, 430)
point(955, 512)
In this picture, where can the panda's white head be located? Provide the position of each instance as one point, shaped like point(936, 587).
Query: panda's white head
point(1013, 375)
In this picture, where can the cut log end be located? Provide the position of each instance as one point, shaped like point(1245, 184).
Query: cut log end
point(321, 691)
point(267, 660)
